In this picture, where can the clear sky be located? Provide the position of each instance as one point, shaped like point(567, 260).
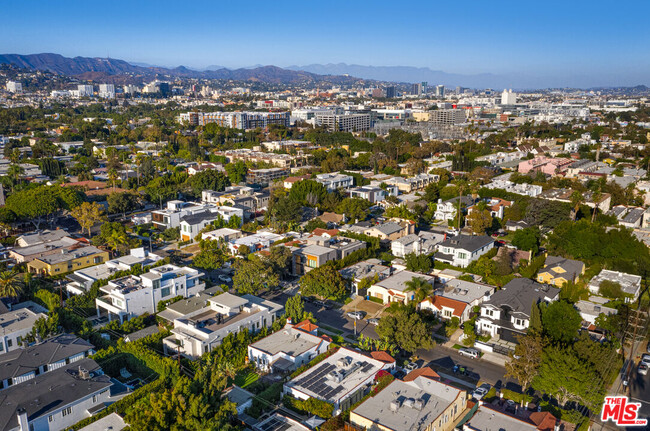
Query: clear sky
point(606, 40)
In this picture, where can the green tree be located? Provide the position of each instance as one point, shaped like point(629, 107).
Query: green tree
point(280, 259)
point(308, 192)
point(294, 309)
point(88, 214)
point(324, 282)
point(479, 220)
point(525, 360)
point(418, 262)
point(253, 276)
point(535, 325)
point(10, 284)
point(421, 288)
point(405, 328)
point(122, 202)
point(611, 289)
point(207, 180)
point(527, 239)
point(353, 208)
point(561, 322)
point(236, 171)
point(577, 199)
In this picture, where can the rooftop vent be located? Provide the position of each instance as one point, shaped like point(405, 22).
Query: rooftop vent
point(395, 405)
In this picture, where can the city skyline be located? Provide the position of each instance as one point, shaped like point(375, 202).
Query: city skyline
point(561, 44)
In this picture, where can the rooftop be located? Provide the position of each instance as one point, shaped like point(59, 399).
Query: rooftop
point(487, 419)
point(49, 391)
point(470, 243)
point(409, 406)
point(337, 376)
point(465, 291)
point(520, 294)
point(17, 320)
point(290, 341)
point(398, 280)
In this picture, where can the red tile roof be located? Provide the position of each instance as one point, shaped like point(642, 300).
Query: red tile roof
point(440, 301)
point(424, 371)
point(306, 326)
point(382, 356)
point(320, 231)
point(544, 421)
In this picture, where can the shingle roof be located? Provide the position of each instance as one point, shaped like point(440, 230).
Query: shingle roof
point(470, 243)
point(424, 371)
point(520, 294)
point(572, 268)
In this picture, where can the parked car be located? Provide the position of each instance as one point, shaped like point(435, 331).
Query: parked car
point(373, 321)
point(645, 359)
point(470, 353)
point(643, 369)
point(481, 391)
point(224, 278)
point(320, 303)
point(356, 315)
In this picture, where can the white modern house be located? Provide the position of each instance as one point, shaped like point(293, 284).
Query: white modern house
point(203, 329)
point(288, 349)
point(192, 224)
point(461, 250)
point(421, 243)
point(256, 242)
point(341, 380)
point(630, 284)
point(132, 296)
point(83, 279)
point(335, 181)
point(369, 193)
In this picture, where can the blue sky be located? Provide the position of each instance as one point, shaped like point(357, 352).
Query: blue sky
point(605, 41)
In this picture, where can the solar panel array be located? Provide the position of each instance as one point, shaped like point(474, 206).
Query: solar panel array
point(317, 380)
point(275, 424)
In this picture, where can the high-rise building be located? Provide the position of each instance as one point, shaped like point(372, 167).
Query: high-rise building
point(344, 123)
point(416, 89)
point(85, 90)
point(425, 87)
point(508, 97)
point(107, 91)
point(14, 87)
point(440, 91)
point(391, 92)
point(130, 89)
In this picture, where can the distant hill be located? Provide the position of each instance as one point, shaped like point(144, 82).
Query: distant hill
point(114, 70)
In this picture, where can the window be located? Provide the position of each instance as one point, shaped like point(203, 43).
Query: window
point(98, 259)
point(462, 255)
point(164, 291)
point(66, 411)
point(94, 399)
point(10, 343)
point(50, 418)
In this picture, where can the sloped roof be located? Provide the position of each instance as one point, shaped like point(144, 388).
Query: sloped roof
point(424, 371)
point(441, 301)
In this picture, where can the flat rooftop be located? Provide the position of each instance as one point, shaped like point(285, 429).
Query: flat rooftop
point(291, 341)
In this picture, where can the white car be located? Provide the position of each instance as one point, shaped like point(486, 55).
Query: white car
point(643, 369)
point(356, 315)
point(410, 367)
point(481, 391)
point(224, 278)
point(470, 353)
point(645, 359)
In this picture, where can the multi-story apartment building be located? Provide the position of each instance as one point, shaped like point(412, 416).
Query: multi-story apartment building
point(107, 91)
point(335, 181)
point(265, 176)
point(171, 216)
point(132, 296)
point(14, 87)
point(236, 120)
point(204, 329)
point(448, 117)
point(344, 122)
point(305, 259)
point(85, 90)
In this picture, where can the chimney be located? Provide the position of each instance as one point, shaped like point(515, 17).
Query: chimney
point(23, 423)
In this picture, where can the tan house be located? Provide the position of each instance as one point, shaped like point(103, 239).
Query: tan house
point(420, 404)
point(391, 230)
point(560, 270)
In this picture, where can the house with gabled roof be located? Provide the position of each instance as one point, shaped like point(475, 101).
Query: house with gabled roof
point(461, 250)
point(560, 270)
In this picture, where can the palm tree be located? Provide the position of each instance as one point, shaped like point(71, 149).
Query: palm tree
point(422, 289)
point(595, 197)
point(10, 284)
point(462, 186)
point(15, 171)
point(112, 177)
point(577, 199)
point(117, 240)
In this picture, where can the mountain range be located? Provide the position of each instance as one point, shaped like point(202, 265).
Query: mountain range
point(120, 71)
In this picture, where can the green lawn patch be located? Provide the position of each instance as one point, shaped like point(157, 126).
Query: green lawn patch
point(330, 329)
point(458, 346)
point(246, 378)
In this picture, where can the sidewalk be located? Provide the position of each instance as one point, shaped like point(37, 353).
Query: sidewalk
point(492, 357)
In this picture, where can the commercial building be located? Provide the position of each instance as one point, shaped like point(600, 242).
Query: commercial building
point(133, 296)
point(202, 330)
point(421, 404)
point(341, 380)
